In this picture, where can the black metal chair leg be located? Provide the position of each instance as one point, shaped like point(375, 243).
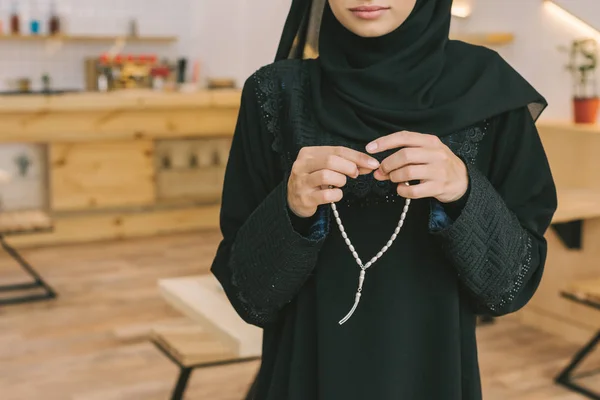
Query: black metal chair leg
point(38, 282)
point(184, 376)
point(566, 377)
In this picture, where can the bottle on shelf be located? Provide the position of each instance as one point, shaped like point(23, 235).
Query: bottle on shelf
point(54, 22)
point(34, 21)
point(15, 21)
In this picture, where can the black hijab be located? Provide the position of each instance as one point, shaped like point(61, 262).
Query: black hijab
point(414, 78)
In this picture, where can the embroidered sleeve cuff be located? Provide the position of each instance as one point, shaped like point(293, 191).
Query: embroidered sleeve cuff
point(488, 246)
point(270, 261)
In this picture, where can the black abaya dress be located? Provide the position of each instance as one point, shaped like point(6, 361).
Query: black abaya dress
point(412, 336)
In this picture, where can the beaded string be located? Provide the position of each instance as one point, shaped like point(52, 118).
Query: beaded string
point(364, 267)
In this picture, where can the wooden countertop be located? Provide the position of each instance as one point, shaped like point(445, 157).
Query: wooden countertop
point(119, 115)
point(121, 100)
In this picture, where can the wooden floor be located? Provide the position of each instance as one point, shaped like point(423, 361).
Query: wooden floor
point(89, 344)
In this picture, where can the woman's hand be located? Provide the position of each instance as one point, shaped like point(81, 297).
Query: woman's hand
point(318, 168)
point(423, 158)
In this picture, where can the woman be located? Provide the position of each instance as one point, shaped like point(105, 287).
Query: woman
point(377, 198)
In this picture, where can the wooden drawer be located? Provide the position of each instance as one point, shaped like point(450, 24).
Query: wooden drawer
point(95, 175)
point(191, 169)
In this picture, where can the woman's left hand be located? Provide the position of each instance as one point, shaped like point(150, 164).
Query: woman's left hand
point(423, 158)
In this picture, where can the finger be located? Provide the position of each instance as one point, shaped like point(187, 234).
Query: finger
point(326, 177)
point(410, 156)
point(361, 160)
point(364, 171)
point(420, 191)
point(402, 139)
point(327, 196)
point(380, 176)
point(412, 173)
point(331, 162)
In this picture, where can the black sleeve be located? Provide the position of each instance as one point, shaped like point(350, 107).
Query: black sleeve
point(497, 242)
point(262, 261)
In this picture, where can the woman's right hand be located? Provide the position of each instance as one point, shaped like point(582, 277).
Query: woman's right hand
point(316, 169)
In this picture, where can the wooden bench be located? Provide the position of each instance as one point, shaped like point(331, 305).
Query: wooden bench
point(23, 222)
point(586, 293)
point(191, 348)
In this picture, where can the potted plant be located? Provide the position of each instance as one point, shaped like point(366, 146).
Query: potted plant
point(583, 59)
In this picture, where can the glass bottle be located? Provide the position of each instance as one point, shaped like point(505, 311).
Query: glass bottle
point(54, 23)
point(34, 23)
point(15, 23)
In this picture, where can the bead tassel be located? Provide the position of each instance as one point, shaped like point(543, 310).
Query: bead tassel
point(364, 268)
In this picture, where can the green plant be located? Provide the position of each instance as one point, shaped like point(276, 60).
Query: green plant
point(583, 60)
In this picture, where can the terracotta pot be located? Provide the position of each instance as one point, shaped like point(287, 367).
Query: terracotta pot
point(586, 110)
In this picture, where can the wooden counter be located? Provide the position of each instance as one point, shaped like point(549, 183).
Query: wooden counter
point(122, 115)
point(122, 164)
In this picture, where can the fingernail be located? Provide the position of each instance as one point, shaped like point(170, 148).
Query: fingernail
point(373, 163)
point(372, 146)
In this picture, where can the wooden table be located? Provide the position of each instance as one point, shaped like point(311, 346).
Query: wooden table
point(574, 207)
point(202, 299)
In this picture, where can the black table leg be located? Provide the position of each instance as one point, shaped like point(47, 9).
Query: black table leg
point(182, 381)
point(38, 281)
point(566, 377)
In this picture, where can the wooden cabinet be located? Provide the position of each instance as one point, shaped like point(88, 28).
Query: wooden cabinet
point(191, 169)
point(95, 175)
